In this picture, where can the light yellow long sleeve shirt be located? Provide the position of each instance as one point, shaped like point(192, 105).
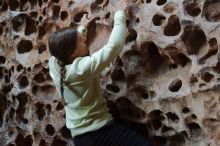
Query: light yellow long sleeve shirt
point(86, 109)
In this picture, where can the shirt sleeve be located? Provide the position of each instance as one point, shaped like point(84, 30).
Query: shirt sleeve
point(89, 66)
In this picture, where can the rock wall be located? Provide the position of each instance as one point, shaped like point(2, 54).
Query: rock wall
point(165, 82)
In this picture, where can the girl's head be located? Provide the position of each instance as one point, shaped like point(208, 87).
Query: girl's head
point(66, 44)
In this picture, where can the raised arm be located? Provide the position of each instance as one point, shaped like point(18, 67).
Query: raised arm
point(90, 66)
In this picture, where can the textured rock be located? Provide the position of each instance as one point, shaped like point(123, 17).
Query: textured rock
point(165, 82)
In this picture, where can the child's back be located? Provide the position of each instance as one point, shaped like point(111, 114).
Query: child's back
point(86, 109)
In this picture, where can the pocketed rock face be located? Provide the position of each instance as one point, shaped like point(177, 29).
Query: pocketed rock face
point(165, 82)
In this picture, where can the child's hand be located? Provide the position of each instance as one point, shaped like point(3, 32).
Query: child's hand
point(123, 5)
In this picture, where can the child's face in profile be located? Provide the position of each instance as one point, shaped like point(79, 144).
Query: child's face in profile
point(81, 48)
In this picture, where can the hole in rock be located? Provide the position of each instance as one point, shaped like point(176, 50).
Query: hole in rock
point(63, 15)
point(42, 31)
point(107, 15)
point(12, 113)
point(211, 10)
point(23, 82)
point(194, 116)
point(192, 7)
point(18, 22)
point(59, 106)
point(118, 75)
point(49, 109)
point(23, 100)
point(177, 139)
point(24, 46)
point(158, 19)
point(155, 123)
point(172, 116)
point(46, 91)
point(7, 79)
point(175, 85)
point(194, 39)
point(213, 44)
point(12, 68)
point(193, 79)
point(95, 8)
point(185, 110)
point(159, 140)
point(2, 59)
point(161, 2)
point(151, 56)
point(33, 3)
point(40, 111)
point(113, 88)
point(58, 142)
point(98, 2)
point(156, 114)
point(3, 107)
point(118, 62)
point(13, 4)
point(39, 78)
point(215, 68)
point(4, 6)
point(24, 5)
point(137, 20)
point(43, 143)
point(79, 16)
point(140, 91)
point(202, 85)
point(55, 1)
point(19, 116)
point(21, 141)
point(19, 67)
point(40, 3)
point(132, 36)
point(165, 129)
point(50, 129)
point(1, 30)
point(207, 55)
point(56, 11)
point(193, 126)
point(65, 132)
point(172, 66)
point(207, 77)
point(1, 72)
point(7, 88)
point(148, 1)
point(128, 109)
point(42, 48)
point(30, 26)
point(173, 26)
point(34, 14)
point(178, 58)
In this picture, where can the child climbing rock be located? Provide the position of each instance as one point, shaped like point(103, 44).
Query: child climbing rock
point(76, 77)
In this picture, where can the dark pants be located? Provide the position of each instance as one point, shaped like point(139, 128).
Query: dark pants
point(114, 133)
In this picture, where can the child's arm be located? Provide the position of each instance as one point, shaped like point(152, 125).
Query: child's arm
point(94, 64)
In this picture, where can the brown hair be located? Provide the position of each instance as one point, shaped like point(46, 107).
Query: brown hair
point(61, 44)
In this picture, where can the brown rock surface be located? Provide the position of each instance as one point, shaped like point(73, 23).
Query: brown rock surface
point(165, 82)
